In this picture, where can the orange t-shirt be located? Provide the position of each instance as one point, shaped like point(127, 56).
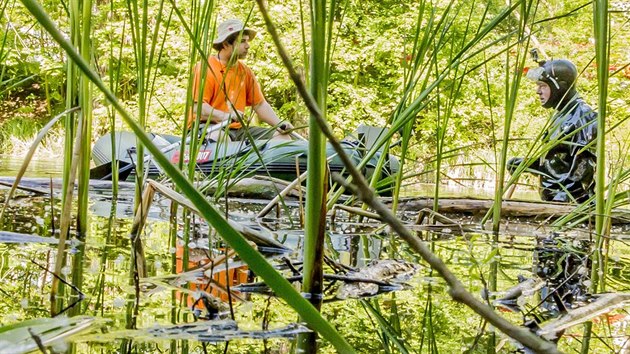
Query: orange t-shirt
point(238, 82)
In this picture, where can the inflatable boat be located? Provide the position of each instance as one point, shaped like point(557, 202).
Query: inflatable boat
point(276, 158)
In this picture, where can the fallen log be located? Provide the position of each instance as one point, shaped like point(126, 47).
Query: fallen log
point(515, 208)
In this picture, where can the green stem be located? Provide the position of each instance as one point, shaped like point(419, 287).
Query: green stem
point(85, 101)
point(316, 182)
point(600, 19)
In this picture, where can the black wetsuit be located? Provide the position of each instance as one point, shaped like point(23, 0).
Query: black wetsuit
point(566, 171)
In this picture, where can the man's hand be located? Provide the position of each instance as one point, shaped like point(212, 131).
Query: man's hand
point(513, 164)
point(285, 127)
point(233, 116)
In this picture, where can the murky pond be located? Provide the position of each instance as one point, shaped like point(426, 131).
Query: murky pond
point(165, 311)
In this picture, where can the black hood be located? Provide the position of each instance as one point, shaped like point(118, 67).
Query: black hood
point(560, 75)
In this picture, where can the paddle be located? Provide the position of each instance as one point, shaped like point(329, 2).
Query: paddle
point(104, 171)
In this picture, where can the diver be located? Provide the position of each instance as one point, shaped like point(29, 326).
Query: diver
point(566, 170)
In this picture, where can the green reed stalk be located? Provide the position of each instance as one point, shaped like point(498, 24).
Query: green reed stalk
point(235, 240)
point(145, 45)
point(114, 84)
point(99, 307)
point(57, 289)
point(77, 280)
point(601, 51)
point(602, 48)
point(202, 23)
point(42, 45)
point(420, 46)
point(199, 34)
point(492, 286)
point(4, 50)
point(528, 10)
point(69, 168)
point(138, 35)
point(172, 234)
point(316, 181)
point(442, 119)
point(305, 57)
point(85, 101)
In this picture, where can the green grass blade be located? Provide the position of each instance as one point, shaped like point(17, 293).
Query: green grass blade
point(29, 155)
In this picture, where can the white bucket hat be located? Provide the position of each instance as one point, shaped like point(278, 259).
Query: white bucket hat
point(228, 27)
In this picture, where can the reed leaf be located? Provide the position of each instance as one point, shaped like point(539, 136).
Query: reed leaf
point(114, 84)
point(390, 333)
point(66, 220)
point(29, 156)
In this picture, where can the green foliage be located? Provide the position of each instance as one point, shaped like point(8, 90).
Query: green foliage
point(372, 51)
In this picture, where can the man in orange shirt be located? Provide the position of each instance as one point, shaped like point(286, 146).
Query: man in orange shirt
point(229, 86)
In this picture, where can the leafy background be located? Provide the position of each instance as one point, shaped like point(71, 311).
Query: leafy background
point(372, 52)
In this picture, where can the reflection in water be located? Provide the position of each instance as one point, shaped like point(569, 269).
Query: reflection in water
point(423, 312)
point(49, 168)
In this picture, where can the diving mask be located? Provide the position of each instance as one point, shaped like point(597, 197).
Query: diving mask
point(539, 74)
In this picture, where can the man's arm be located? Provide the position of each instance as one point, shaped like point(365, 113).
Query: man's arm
point(269, 116)
point(215, 115)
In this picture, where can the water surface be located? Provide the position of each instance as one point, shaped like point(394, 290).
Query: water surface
point(100, 266)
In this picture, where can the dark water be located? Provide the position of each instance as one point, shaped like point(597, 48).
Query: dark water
point(428, 320)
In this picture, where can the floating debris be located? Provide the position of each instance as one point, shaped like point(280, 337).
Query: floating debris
point(377, 277)
point(515, 297)
point(604, 304)
point(205, 331)
point(390, 271)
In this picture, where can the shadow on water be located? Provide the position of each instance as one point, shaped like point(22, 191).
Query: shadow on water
point(418, 313)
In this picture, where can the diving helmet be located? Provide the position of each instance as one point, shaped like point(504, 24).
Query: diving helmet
point(560, 75)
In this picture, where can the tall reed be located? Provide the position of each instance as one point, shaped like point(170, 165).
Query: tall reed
point(114, 83)
point(147, 48)
point(74, 151)
point(316, 181)
point(4, 49)
point(85, 102)
point(602, 49)
point(527, 13)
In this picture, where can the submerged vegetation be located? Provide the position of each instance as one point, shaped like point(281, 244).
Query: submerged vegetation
point(444, 78)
